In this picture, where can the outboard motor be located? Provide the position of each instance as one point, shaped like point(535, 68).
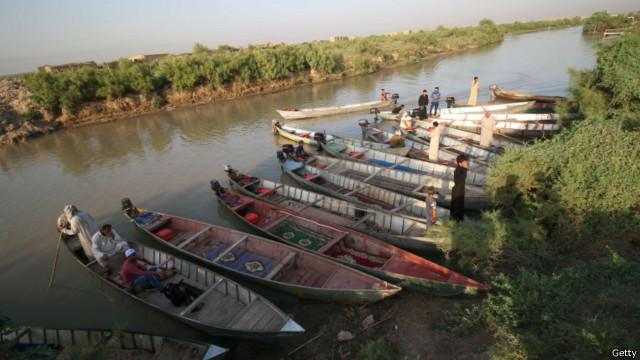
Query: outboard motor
point(128, 208)
point(395, 98)
point(215, 186)
point(288, 150)
point(280, 156)
point(397, 109)
point(274, 125)
point(451, 102)
point(320, 139)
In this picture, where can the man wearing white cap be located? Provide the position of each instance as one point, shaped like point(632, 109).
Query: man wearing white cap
point(135, 272)
point(76, 222)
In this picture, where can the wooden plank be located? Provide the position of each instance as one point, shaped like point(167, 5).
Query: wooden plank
point(230, 248)
point(280, 265)
point(193, 237)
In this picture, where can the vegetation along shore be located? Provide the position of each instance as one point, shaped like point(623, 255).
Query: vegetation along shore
point(44, 101)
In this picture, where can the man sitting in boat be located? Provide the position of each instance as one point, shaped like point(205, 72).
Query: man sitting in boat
point(138, 273)
point(76, 222)
point(396, 141)
point(107, 244)
point(299, 153)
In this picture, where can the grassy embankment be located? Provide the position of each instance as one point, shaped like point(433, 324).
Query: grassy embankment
point(230, 69)
point(562, 246)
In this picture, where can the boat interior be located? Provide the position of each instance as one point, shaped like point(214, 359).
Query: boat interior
point(213, 301)
point(313, 236)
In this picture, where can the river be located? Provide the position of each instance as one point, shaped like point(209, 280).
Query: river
point(164, 161)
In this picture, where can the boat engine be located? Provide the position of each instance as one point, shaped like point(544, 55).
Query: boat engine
point(451, 102)
point(395, 98)
point(280, 156)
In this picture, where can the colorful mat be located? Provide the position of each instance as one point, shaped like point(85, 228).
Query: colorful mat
point(296, 235)
point(242, 260)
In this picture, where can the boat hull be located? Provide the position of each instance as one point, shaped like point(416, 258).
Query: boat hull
point(333, 110)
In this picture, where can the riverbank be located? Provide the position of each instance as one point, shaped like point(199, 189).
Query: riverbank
point(35, 104)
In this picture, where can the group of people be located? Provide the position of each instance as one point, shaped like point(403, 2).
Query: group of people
point(108, 248)
point(423, 103)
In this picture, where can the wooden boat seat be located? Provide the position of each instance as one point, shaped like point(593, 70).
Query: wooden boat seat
point(284, 262)
point(312, 177)
point(330, 244)
point(243, 205)
point(227, 250)
point(193, 237)
point(274, 223)
point(356, 154)
point(157, 224)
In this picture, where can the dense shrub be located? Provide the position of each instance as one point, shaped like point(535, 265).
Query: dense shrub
point(601, 21)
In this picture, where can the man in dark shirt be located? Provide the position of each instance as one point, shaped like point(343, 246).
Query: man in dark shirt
point(457, 193)
point(423, 102)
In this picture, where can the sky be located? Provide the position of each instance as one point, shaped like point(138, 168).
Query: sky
point(37, 32)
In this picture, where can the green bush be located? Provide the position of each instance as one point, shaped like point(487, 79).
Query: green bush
point(601, 21)
point(379, 349)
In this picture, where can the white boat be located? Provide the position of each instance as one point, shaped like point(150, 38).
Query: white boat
point(497, 117)
point(481, 109)
point(518, 128)
point(332, 110)
point(474, 151)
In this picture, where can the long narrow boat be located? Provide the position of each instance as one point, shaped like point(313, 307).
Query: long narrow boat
point(508, 107)
point(417, 150)
point(472, 149)
point(32, 337)
point(265, 262)
point(498, 117)
point(340, 178)
point(370, 186)
point(502, 94)
point(355, 191)
point(296, 135)
point(392, 227)
point(379, 158)
point(222, 308)
point(298, 114)
point(346, 246)
point(511, 128)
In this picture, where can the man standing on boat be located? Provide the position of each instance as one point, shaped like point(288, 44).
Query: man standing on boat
point(487, 128)
point(423, 102)
point(106, 245)
point(434, 140)
point(473, 93)
point(458, 191)
point(76, 222)
point(435, 101)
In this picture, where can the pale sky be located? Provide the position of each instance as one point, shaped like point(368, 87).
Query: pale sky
point(35, 32)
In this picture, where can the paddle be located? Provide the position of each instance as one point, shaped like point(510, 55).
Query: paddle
point(55, 262)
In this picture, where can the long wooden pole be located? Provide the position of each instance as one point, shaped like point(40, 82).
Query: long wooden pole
point(55, 262)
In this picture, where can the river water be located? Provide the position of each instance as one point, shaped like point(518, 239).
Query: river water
point(165, 161)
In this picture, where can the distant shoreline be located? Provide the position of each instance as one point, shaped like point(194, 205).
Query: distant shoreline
point(25, 118)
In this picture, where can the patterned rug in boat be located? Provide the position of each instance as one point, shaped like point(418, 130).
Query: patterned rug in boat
point(241, 260)
point(298, 235)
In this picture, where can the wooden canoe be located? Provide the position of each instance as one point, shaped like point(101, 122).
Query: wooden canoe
point(223, 308)
point(480, 109)
point(361, 174)
point(499, 93)
point(511, 128)
point(332, 110)
point(470, 148)
point(451, 118)
point(31, 337)
point(379, 158)
point(349, 247)
point(297, 135)
point(390, 226)
point(265, 262)
point(419, 151)
point(355, 191)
